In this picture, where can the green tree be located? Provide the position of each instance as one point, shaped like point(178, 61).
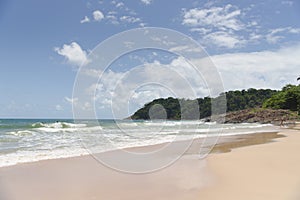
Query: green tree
point(287, 98)
point(236, 100)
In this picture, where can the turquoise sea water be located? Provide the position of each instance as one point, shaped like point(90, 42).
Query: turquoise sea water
point(28, 140)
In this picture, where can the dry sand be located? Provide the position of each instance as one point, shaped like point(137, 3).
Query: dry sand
point(266, 171)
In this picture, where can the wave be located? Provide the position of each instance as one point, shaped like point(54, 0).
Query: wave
point(34, 156)
point(56, 125)
point(21, 133)
point(248, 125)
point(49, 139)
point(174, 123)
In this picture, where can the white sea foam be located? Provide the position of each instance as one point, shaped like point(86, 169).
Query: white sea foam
point(21, 133)
point(57, 125)
point(42, 141)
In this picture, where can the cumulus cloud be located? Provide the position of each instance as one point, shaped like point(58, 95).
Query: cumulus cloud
point(73, 53)
point(201, 30)
point(227, 27)
point(223, 39)
point(264, 69)
point(116, 90)
point(120, 14)
point(276, 35)
point(85, 20)
point(186, 49)
point(217, 26)
point(129, 19)
point(98, 15)
point(152, 81)
point(222, 18)
point(120, 4)
point(112, 17)
point(71, 100)
point(272, 37)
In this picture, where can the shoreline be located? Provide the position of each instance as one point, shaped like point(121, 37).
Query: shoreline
point(84, 178)
point(143, 148)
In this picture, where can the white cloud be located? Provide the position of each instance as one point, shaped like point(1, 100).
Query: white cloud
point(223, 39)
point(120, 4)
point(277, 34)
point(112, 12)
point(272, 38)
point(142, 24)
point(146, 2)
point(104, 91)
point(185, 48)
point(226, 27)
point(98, 15)
point(218, 26)
point(117, 89)
point(87, 106)
point(265, 69)
point(201, 30)
point(121, 14)
point(129, 44)
point(130, 19)
point(163, 40)
point(112, 19)
point(294, 30)
point(254, 37)
point(72, 101)
point(92, 72)
point(223, 18)
point(85, 20)
point(73, 53)
point(143, 96)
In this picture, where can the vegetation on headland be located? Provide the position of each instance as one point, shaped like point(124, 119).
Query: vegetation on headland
point(252, 105)
point(288, 98)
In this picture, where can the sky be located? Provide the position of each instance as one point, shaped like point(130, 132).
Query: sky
point(45, 44)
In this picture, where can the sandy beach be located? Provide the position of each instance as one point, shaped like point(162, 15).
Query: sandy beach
point(257, 166)
point(268, 171)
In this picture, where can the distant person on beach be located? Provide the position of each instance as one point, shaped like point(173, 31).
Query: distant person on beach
point(281, 122)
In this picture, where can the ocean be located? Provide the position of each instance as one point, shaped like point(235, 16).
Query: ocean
point(29, 140)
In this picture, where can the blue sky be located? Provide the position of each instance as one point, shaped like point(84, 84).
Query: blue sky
point(44, 42)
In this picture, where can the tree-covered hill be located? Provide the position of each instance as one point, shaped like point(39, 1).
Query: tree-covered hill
point(173, 108)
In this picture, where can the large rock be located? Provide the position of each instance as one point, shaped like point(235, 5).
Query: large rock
point(258, 115)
